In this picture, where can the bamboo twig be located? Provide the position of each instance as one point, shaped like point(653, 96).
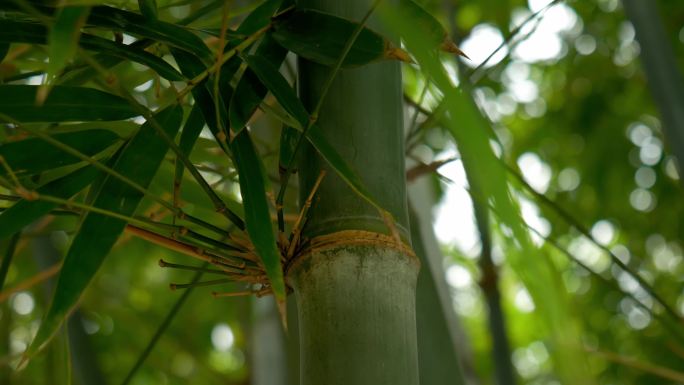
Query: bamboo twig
point(634, 363)
point(163, 263)
point(187, 249)
point(30, 282)
point(297, 228)
point(175, 286)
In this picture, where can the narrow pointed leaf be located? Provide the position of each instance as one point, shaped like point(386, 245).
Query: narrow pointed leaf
point(156, 30)
point(208, 8)
point(24, 212)
point(257, 214)
point(27, 32)
point(260, 16)
point(138, 161)
point(134, 24)
point(433, 31)
point(191, 131)
point(249, 92)
point(288, 141)
point(287, 98)
point(190, 66)
point(7, 260)
point(63, 37)
point(63, 104)
point(148, 8)
point(4, 48)
point(279, 87)
point(33, 155)
point(83, 74)
point(321, 38)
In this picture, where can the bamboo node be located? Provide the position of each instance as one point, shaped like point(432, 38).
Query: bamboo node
point(345, 238)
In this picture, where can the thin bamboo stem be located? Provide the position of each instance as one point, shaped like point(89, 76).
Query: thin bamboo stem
point(174, 286)
point(7, 260)
point(297, 228)
point(163, 263)
point(30, 282)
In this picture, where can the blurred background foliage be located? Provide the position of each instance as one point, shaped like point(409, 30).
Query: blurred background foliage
point(571, 108)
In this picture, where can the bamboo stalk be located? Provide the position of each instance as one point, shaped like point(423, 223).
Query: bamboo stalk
point(359, 112)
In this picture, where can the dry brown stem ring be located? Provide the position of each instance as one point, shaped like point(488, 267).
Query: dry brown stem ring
point(347, 238)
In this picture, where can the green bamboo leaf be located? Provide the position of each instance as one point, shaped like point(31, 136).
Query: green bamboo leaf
point(279, 87)
point(24, 212)
point(276, 83)
point(4, 48)
point(190, 66)
point(128, 52)
point(155, 30)
point(7, 260)
point(257, 214)
point(82, 74)
point(260, 16)
point(136, 25)
point(191, 131)
point(63, 37)
point(33, 155)
point(288, 142)
point(249, 91)
point(27, 32)
point(63, 104)
point(208, 8)
point(321, 37)
point(433, 31)
point(139, 162)
point(148, 8)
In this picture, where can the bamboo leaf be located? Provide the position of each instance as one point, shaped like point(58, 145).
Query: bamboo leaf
point(249, 92)
point(260, 16)
point(26, 32)
point(429, 27)
point(155, 30)
point(190, 66)
point(24, 212)
point(321, 37)
point(63, 104)
point(148, 8)
point(285, 95)
point(288, 142)
point(63, 37)
point(33, 155)
point(139, 161)
point(191, 131)
point(4, 48)
point(257, 214)
point(7, 260)
point(279, 87)
point(201, 12)
point(134, 24)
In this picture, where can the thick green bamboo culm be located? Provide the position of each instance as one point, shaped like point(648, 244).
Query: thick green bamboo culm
point(356, 303)
point(362, 117)
point(356, 308)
